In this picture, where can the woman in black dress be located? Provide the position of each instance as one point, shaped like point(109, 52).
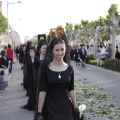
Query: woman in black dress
point(22, 53)
point(57, 99)
point(40, 58)
point(31, 66)
point(26, 56)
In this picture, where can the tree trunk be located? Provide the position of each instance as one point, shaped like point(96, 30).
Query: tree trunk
point(95, 46)
point(113, 45)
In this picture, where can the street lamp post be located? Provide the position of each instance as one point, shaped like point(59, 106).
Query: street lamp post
point(8, 18)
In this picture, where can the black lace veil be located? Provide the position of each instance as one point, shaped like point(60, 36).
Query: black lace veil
point(51, 44)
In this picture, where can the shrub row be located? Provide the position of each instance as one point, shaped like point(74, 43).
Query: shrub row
point(94, 62)
point(112, 64)
point(91, 57)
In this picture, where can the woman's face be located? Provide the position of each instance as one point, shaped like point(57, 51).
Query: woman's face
point(43, 49)
point(32, 53)
point(59, 51)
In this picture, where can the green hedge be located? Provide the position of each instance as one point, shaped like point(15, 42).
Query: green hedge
point(112, 64)
point(91, 57)
point(94, 62)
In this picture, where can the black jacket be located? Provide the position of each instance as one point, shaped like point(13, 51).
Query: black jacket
point(4, 62)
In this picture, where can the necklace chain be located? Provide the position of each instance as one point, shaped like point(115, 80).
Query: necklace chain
point(59, 76)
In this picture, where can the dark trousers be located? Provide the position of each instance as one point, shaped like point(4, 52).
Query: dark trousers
point(10, 66)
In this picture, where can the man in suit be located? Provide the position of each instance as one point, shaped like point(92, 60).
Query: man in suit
point(83, 55)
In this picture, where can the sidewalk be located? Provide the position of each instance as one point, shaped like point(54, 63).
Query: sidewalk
point(14, 97)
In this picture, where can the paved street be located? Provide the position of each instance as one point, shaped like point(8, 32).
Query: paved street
point(14, 96)
point(104, 78)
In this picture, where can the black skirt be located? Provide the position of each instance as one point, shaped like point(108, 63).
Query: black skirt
point(58, 106)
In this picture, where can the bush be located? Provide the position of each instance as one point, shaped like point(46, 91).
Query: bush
point(91, 57)
point(112, 64)
point(94, 62)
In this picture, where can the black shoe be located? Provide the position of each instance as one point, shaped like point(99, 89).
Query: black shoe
point(24, 107)
point(27, 95)
point(22, 84)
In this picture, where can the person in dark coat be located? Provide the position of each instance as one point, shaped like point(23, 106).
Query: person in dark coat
point(17, 52)
point(108, 51)
point(40, 59)
point(77, 54)
point(29, 43)
point(41, 40)
point(31, 66)
point(72, 52)
point(3, 60)
point(117, 54)
point(22, 53)
point(3, 83)
point(83, 56)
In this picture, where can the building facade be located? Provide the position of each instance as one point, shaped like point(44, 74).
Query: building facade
point(15, 38)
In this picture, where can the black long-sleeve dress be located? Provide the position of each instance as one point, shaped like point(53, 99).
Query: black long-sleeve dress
point(22, 54)
point(40, 63)
point(58, 105)
point(31, 83)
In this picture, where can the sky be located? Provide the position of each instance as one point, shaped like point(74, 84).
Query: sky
point(32, 17)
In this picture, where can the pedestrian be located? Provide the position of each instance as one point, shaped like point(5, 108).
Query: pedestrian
point(72, 52)
point(102, 51)
point(3, 83)
point(3, 60)
point(1, 48)
point(108, 51)
point(117, 54)
point(83, 55)
point(57, 98)
point(77, 55)
point(22, 53)
point(17, 52)
point(40, 59)
point(26, 56)
point(98, 57)
point(10, 55)
point(31, 67)
point(41, 39)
